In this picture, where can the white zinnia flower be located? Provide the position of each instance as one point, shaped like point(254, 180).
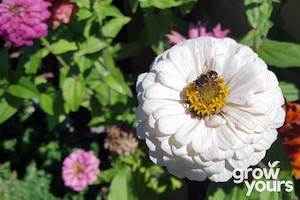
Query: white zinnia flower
point(208, 106)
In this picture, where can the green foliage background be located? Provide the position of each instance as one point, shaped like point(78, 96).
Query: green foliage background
point(78, 74)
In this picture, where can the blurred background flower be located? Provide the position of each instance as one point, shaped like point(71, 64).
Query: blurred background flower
point(119, 141)
point(290, 133)
point(197, 30)
point(80, 169)
point(62, 12)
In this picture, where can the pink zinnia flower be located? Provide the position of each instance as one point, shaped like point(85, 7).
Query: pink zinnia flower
point(219, 33)
point(62, 12)
point(197, 31)
point(22, 21)
point(80, 169)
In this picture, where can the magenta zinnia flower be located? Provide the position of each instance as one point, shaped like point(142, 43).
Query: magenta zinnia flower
point(80, 169)
point(197, 31)
point(22, 21)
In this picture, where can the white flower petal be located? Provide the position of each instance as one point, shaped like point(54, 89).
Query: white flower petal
point(201, 139)
point(214, 153)
point(195, 174)
point(215, 168)
point(272, 80)
point(244, 99)
point(247, 74)
point(244, 152)
point(279, 118)
point(224, 176)
point(158, 91)
point(144, 81)
point(231, 67)
point(214, 121)
point(179, 151)
point(150, 144)
point(165, 146)
point(254, 159)
point(269, 136)
point(174, 167)
point(225, 138)
point(151, 124)
point(152, 105)
point(158, 59)
point(139, 81)
point(170, 80)
point(200, 49)
point(185, 134)
point(168, 125)
point(201, 162)
point(169, 109)
point(183, 60)
point(241, 119)
point(168, 67)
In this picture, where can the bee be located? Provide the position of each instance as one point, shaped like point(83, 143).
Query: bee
point(205, 79)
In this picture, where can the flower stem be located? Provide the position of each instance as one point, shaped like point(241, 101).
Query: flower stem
point(58, 57)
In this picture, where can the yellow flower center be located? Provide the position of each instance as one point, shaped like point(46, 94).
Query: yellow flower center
point(206, 95)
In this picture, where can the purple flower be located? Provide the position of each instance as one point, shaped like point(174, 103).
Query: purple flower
point(22, 21)
point(197, 31)
point(80, 169)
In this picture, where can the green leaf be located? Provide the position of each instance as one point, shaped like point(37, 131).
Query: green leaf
point(38, 80)
point(133, 5)
point(34, 186)
point(6, 111)
point(24, 89)
point(248, 2)
point(103, 10)
point(114, 26)
point(106, 176)
point(258, 13)
point(59, 113)
point(83, 14)
point(163, 4)
point(3, 85)
point(35, 60)
point(73, 92)
point(290, 91)
point(225, 191)
point(96, 120)
point(87, 28)
point(83, 62)
point(121, 187)
point(63, 46)
point(92, 45)
point(280, 54)
point(83, 3)
point(114, 79)
point(230, 191)
point(46, 102)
